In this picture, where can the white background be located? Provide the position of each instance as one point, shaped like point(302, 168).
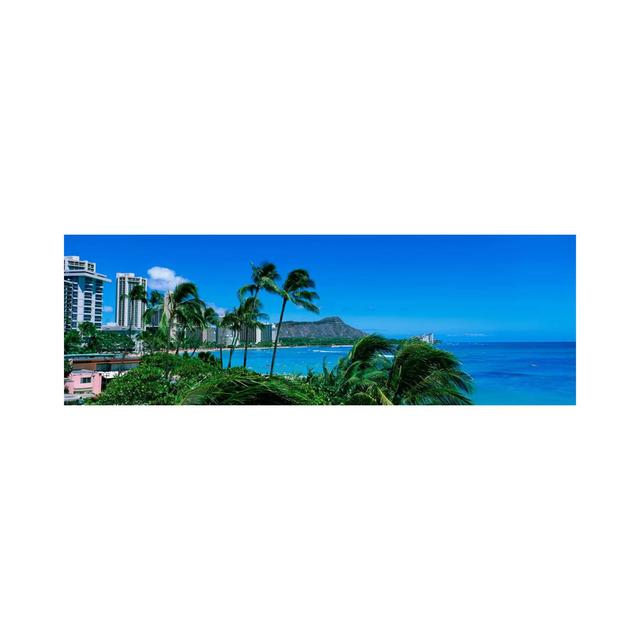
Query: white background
point(332, 117)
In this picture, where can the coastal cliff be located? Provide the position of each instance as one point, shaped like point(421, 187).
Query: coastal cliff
point(332, 327)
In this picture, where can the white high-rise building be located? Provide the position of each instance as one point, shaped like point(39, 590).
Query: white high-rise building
point(129, 313)
point(83, 293)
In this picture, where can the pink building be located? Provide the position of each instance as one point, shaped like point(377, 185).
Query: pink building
point(83, 382)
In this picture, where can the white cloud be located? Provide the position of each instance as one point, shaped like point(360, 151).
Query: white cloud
point(219, 310)
point(108, 309)
point(164, 279)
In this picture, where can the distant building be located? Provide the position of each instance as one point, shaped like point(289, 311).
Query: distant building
point(267, 333)
point(128, 312)
point(209, 334)
point(83, 293)
point(225, 336)
point(250, 335)
point(261, 333)
point(428, 337)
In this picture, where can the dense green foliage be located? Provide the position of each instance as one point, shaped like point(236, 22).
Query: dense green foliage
point(378, 372)
point(244, 387)
point(152, 340)
point(164, 378)
point(142, 385)
point(374, 372)
point(97, 342)
point(161, 378)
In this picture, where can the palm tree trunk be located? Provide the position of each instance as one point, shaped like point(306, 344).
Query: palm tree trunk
point(169, 325)
point(178, 340)
point(246, 347)
point(124, 353)
point(246, 335)
point(231, 350)
point(275, 344)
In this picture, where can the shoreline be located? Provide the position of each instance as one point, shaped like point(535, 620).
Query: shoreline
point(136, 356)
point(241, 348)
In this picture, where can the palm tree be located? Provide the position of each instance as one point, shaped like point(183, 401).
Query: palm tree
point(182, 305)
point(232, 321)
point(154, 304)
point(137, 293)
point(418, 373)
point(263, 276)
point(222, 325)
point(211, 318)
point(424, 374)
point(251, 316)
point(297, 289)
point(153, 336)
point(203, 319)
point(190, 321)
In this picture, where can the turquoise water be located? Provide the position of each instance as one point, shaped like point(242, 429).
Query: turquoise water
point(504, 373)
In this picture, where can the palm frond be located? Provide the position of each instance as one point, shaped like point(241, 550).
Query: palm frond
point(366, 348)
point(247, 290)
point(308, 306)
point(298, 279)
point(307, 295)
point(422, 373)
point(184, 291)
point(244, 387)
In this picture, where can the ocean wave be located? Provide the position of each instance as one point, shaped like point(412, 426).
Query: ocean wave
point(505, 374)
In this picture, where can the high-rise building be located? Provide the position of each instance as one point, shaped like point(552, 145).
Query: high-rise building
point(208, 334)
point(225, 336)
point(129, 312)
point(257, 334)
point(269, 333)
point(70, 296)
point(83, 293)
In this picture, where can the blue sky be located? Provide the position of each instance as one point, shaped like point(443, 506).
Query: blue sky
point(464, 288)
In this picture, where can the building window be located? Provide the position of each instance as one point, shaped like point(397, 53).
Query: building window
point(85, 380)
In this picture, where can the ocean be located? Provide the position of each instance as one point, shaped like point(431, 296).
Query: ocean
point(504, 373)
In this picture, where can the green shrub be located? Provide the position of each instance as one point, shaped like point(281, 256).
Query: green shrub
point(142, 385)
